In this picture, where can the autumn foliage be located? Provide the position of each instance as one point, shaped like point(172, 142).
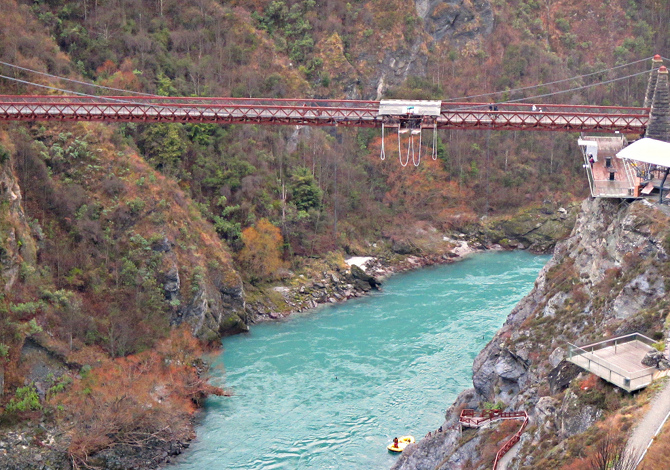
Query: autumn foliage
point(261, 255)
point(139, 400)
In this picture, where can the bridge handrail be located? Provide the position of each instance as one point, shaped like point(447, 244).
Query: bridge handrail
point(203, 107)
point(164, 99)
point(545, 107)
point(368, 104)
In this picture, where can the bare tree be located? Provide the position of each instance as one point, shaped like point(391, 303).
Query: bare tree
point(612, 454)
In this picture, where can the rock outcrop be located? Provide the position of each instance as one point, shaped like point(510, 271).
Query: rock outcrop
point(608, 277)
point(456, 19)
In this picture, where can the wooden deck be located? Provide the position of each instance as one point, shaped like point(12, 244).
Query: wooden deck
point(619, 361)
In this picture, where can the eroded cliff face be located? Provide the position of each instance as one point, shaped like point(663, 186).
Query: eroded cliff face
point(17, 243)
point(610, 277)
point(456, 19)
point(461, 22)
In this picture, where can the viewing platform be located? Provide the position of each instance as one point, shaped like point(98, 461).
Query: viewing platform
point(608, 176)
point(618, 361)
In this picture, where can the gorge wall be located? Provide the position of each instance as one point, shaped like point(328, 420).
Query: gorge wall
point(610, 277)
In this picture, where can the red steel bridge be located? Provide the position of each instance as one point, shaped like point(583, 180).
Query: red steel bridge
point(316, 112)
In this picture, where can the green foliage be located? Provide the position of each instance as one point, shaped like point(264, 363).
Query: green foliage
point(289, 27)
point(25, 399)
point(4, 155)
point(229, 230)
point(24, 309)
point(197, 280)
point(499, 405)
point(31, 328)
point(136, 205)
point(306, 192)
point(4, 351)
point(563, 24)
point(164, 85)
point(59, 385)
point(163, 145)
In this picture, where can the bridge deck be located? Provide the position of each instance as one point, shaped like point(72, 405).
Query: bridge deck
point(482, 116)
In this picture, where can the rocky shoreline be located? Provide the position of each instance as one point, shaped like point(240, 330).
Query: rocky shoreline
point(536, 230)
point(359, 276)
point(606, 279)
point(39, 444)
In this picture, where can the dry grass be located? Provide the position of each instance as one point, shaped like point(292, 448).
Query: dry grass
point(658, 456)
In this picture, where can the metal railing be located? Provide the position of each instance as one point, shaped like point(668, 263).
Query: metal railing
point(584, 357)
point(473, 419)
point(360, 113)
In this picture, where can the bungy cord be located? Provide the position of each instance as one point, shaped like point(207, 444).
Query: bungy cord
point(400, 151)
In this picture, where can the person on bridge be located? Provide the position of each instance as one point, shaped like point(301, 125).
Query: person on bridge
point(591, 160)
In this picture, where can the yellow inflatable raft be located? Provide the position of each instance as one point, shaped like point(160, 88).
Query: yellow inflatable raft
point(402, 443)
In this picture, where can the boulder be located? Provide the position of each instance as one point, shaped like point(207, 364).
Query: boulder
point(171, 284)
point(360, 275)
point(575, 416)
point(559, 377)
point(652, 358)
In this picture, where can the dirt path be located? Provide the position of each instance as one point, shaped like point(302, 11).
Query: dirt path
point(647, 428)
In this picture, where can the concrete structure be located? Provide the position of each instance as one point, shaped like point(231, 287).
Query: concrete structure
point(608, 176)
point(618, 360)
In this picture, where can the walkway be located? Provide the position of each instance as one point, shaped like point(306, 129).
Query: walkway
point(468, 418)
point(358, 113)
point(507, 458)
point(644, 432)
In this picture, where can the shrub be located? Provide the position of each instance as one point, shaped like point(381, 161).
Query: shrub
point(261, 255)
point(26, 399)
point(136, 205)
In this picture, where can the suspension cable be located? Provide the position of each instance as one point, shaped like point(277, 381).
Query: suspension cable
point(535, 97)
point(548, 83)
point(95, 85)
point(72, 92)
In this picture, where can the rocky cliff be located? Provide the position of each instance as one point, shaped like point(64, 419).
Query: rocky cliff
point(609, 277)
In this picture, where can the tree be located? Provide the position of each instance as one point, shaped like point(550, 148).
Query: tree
point(612, 454)
point(164, 145)
point(306, 193)
point(261, 255)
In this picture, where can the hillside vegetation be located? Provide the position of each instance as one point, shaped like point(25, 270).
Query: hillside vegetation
point(115, 235)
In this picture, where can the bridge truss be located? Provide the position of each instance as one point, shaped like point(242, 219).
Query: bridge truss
point(348, 113)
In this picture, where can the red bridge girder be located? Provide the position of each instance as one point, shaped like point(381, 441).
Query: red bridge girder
point(353, 113)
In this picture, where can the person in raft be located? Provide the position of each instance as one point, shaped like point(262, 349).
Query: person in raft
point(395, 442)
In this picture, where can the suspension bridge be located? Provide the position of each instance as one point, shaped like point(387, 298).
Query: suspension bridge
point(349, 113)
point(410, 117)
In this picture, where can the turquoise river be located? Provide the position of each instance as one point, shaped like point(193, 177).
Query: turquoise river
point(329, 389)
